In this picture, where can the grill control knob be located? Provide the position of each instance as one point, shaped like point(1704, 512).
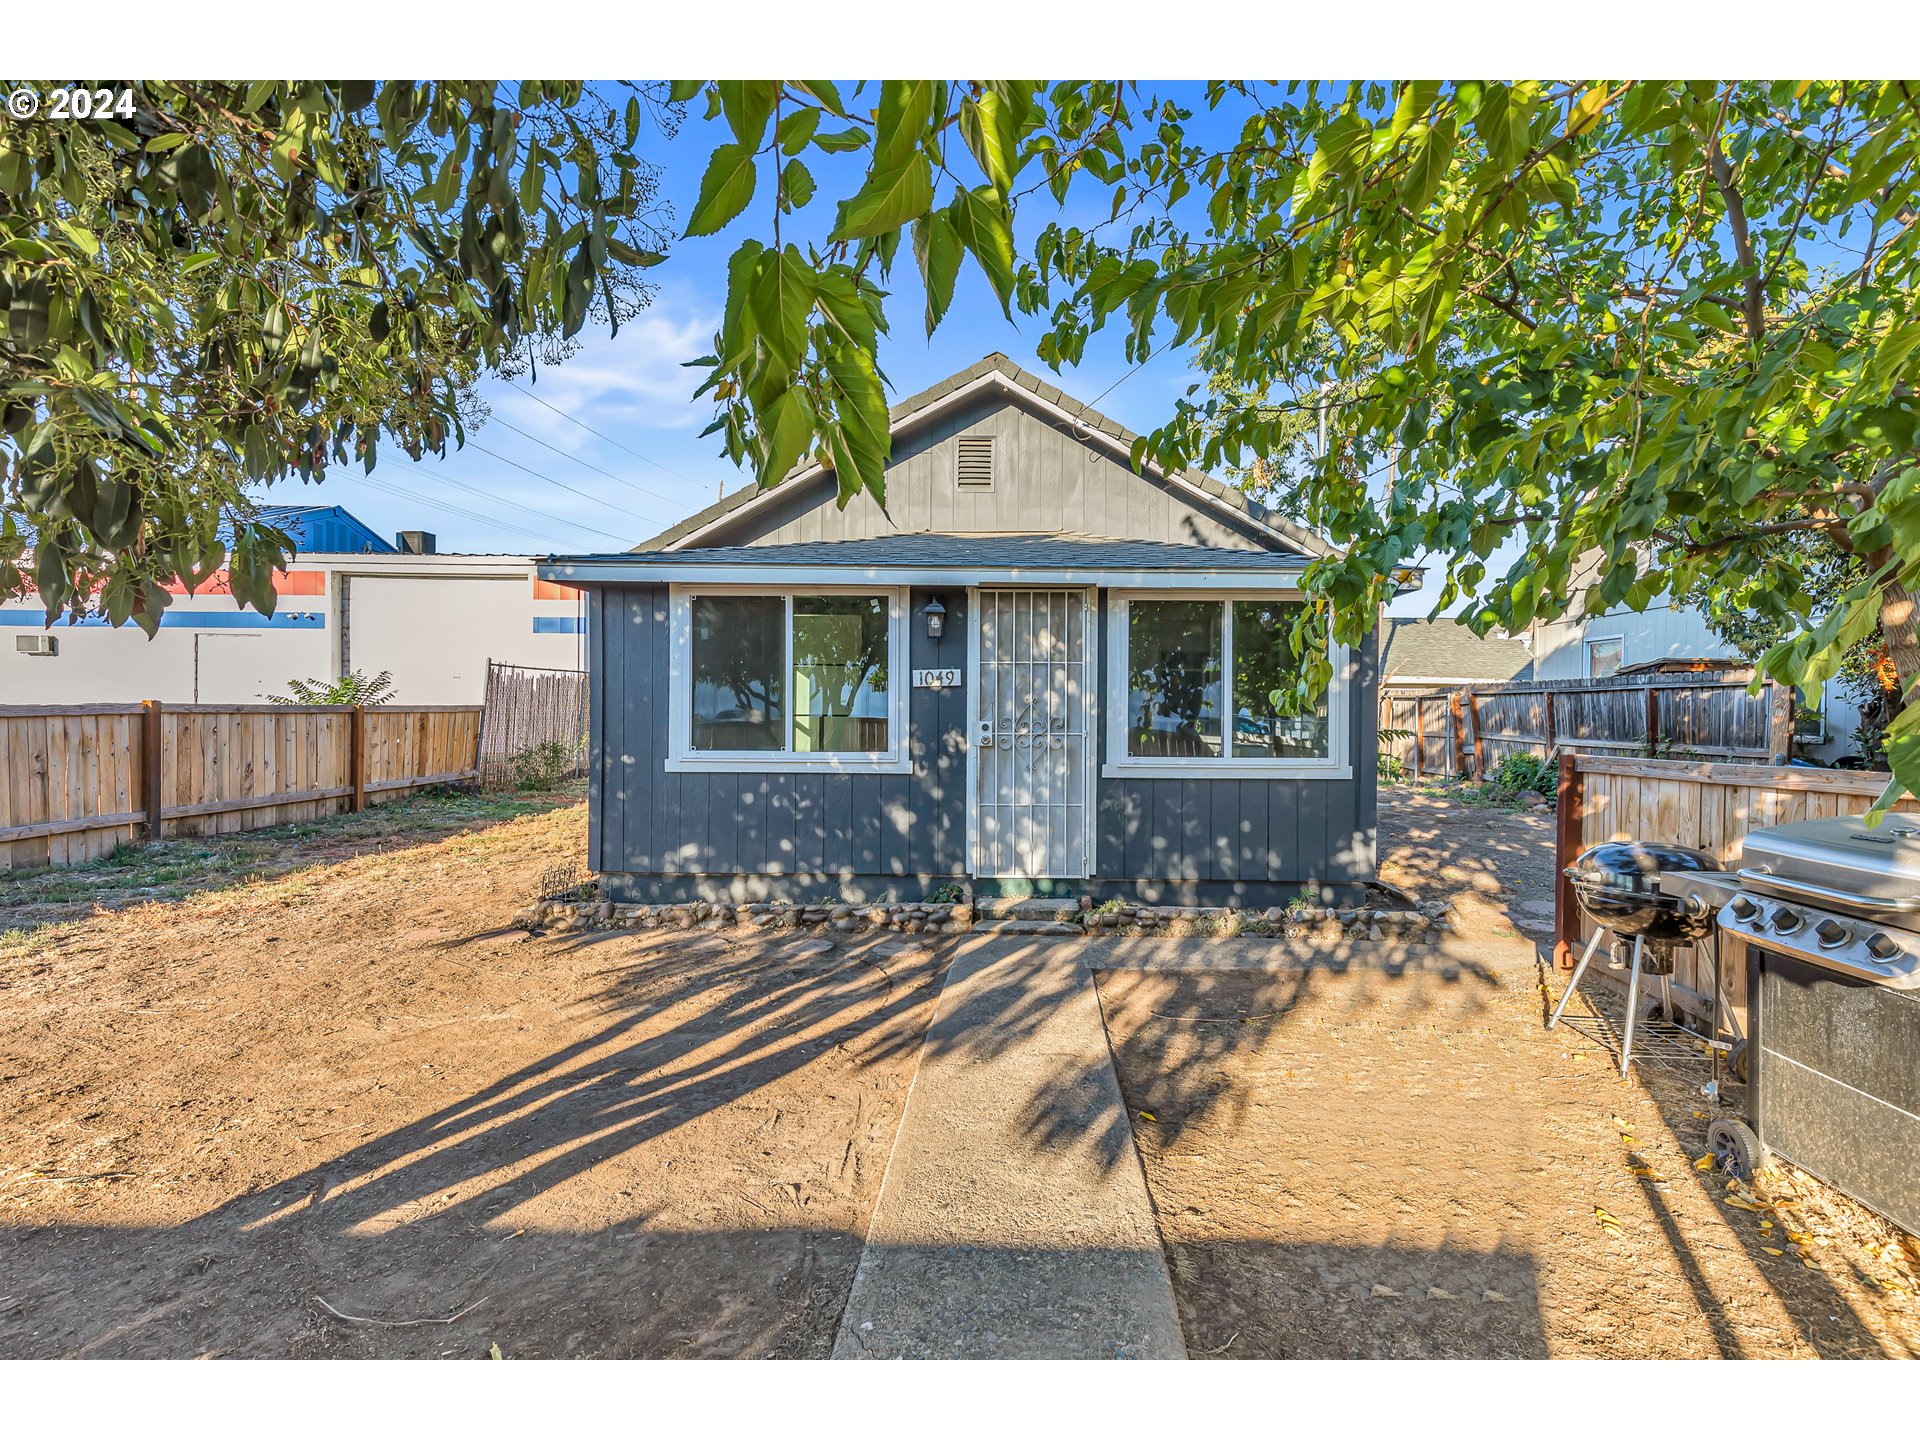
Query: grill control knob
point(1880, 945)
point(1744, 908)
point(1786, 921)
point(1830, 933)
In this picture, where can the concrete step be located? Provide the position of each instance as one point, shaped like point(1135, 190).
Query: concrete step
point(1008, 926)
point(1025, 907)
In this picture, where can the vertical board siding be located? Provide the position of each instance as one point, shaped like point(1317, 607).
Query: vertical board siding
point(79, 771)
point(748, 827)
point(1046, 481)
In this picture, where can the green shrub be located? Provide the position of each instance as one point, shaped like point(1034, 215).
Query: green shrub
point(540, 766)
point(1525, 772)
point(354, 689)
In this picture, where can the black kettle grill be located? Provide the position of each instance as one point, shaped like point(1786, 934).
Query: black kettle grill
point(1618, 885)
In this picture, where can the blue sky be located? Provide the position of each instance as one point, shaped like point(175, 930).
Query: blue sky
point(632, 388)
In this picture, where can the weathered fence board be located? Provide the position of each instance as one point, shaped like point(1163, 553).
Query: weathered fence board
point(1471, 730)
point(77, 782)
point(1708, 806)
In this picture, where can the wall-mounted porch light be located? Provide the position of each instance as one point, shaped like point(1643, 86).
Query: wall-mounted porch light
point(936, 614)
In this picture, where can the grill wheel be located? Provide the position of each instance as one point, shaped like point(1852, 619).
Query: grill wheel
point(1736, 1149)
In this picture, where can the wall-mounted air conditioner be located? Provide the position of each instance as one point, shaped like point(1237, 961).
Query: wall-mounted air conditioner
point(37, 644)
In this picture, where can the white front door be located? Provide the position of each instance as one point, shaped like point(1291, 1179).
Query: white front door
point(1033, 733)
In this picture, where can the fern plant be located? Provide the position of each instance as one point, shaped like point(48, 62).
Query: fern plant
point(350, 689)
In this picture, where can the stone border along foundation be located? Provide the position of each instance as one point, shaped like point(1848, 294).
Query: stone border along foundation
point(1045, 917)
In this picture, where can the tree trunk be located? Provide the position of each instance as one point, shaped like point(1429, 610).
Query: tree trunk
point(1900, 624)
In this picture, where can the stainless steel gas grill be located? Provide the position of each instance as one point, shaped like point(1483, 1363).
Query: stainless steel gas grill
point(1830, 914)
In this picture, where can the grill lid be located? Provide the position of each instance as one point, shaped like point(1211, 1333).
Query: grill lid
point(1842, 854)
point(1636, 865)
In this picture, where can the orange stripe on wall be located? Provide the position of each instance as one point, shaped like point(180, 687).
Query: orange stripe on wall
point(553, 590)
point(285, 582)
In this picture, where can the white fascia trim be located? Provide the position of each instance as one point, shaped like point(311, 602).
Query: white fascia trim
point(787, 577)
point(993, 379)
point(1202, 769)
point(759, 762)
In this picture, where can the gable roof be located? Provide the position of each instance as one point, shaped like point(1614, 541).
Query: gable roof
point(997, 371)
point(1442, 649)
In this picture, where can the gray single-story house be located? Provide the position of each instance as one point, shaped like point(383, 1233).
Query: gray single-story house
point(1034, 670)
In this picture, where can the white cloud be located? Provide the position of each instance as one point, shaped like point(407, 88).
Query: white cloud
point(635, 381)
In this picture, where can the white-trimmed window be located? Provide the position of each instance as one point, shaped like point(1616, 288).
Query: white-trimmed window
point(767, 679)
point(1190, 684)
point(1605, 656)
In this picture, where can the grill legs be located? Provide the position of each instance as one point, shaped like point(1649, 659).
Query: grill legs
point(1573, 983)
point(1633, 1003)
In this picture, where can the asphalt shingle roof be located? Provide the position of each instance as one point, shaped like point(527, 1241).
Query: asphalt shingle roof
point(1447, 650)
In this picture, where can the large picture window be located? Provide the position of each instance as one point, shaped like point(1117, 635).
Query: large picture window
point(1193, 686)
point(808, 678)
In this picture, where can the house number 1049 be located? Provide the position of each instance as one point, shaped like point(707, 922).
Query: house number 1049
point(936, 679)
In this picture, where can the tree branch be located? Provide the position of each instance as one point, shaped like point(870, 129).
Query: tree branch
point(1754, 306)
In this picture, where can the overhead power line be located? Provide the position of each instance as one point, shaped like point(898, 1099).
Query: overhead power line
point(539, 475)
point(591, 431)
point(617, 479)
point(416, 499)
point(472, 489)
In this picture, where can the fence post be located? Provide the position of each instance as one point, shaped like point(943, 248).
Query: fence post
point(1551, 739)
point(152, 754)
point(1479, 755)
point(1653, 721)
point(1566, 845)
point(357, 768)
point(1419, 734)
point(1780, 723)
point(1457, 717)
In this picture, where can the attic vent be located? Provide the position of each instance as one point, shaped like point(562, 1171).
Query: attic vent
point(975, 462)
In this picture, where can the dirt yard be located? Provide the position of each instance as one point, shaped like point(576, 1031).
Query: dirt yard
point(301, 1093)
point(342, 1111)
point(1369, 1164)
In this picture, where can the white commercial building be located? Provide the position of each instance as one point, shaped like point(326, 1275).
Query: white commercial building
point(432, 621)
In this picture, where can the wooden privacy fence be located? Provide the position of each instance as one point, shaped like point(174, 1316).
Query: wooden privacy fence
point(1469, 731)
point(527, 706)
point(78, 781)
point(1708, 806)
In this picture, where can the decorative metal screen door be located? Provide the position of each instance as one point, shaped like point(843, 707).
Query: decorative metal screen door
point(1032, 733)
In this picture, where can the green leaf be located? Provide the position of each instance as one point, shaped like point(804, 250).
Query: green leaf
point(796, 129)
point(937, 248)
point(747, 104)
point(725, 189)
point(888, 200)
point(839, 140)
point(681, 91)
point(985, 227)
point(796, 183)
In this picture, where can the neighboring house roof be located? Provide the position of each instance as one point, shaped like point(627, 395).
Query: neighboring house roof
point(1427, 651)
point(940, 559)
point(326, 529)
point(997, 370)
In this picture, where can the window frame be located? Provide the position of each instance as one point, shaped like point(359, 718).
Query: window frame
point(683, 758)
point(1337, 765)
point(1594, 640)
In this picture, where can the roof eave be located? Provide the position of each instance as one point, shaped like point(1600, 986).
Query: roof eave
point(584, 570)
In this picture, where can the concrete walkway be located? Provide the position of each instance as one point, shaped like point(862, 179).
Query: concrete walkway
point(1014, 1220)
